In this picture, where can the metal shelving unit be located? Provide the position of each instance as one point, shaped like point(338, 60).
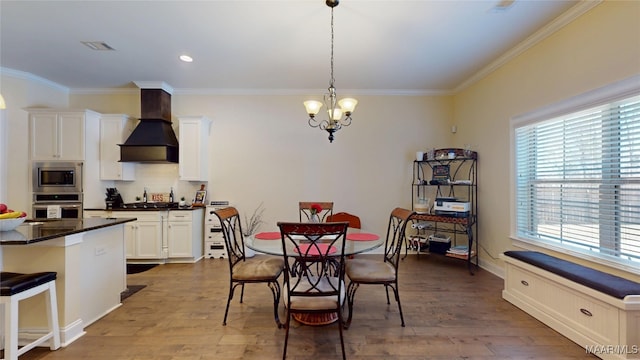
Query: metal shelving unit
point(447, 177)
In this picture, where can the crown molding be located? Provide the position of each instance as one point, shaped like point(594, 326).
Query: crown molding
point(548, 30)
point(33, 78)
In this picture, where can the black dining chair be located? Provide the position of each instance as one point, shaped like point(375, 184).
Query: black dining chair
point(383, 271)
point(243, 270)
point(316, 284)
point(304, 208)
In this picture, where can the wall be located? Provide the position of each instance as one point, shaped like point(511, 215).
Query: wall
point(261, 150)
point(21, 90)
point(598, 48)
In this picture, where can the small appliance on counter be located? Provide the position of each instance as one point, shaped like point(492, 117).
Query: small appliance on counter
point(113, 199)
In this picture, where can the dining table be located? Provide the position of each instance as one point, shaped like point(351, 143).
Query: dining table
point(356, 242)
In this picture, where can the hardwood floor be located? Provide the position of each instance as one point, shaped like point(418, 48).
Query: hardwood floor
point(449, 315)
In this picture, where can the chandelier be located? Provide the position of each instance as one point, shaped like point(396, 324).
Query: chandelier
point(336, 110)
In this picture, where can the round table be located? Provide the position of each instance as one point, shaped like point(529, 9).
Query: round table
point(270, 242)
point(357, 242)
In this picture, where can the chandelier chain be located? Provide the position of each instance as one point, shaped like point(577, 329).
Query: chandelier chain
point(331, 81)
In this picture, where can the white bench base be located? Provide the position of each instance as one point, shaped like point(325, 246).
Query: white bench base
point(605, 326)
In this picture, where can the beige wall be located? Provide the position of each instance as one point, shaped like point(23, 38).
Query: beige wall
point(21, 90)
point(599, 48)
point(262, 150)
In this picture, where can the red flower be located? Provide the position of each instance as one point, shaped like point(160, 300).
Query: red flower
point(315, 208)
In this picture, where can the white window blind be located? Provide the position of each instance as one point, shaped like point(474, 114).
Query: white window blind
point(578, 181)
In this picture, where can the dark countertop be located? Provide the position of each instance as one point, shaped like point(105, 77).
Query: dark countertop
point(187, 208)
point(32, 231)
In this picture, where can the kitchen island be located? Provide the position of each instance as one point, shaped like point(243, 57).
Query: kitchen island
point(89, 257)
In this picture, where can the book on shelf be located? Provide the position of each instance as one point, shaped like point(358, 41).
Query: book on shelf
point(460, 252)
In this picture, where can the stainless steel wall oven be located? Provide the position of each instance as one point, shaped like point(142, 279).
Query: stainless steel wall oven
point(63, 205)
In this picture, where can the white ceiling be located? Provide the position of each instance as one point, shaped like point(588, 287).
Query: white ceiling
point(266, 45)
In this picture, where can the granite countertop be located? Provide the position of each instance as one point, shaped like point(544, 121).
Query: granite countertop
point(32, 231)
point(186, 208)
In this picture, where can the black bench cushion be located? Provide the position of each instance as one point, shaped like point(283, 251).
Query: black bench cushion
point(607, 283)
point(14, 283)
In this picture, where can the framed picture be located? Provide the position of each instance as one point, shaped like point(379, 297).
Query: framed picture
point(201, 195)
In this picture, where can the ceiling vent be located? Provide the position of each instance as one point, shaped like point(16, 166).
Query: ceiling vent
point(98, 45)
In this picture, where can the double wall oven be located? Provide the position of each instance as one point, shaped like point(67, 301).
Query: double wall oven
point(57, 190)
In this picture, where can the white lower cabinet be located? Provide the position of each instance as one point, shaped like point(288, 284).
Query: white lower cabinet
point(144, 238)
point(168, 236)
point(184, 235)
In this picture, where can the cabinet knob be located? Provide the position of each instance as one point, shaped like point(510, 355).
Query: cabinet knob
point(524, 282)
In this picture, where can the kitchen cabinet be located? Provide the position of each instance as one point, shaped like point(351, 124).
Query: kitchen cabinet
point(193, 134)
point(59, 135)
point(114, 130)
point(450, 177)
point(184, 235)
point(162, 236)
point(145, 237)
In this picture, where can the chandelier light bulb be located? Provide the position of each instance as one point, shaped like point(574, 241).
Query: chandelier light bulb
point(348, 105)
point(313, 107)
point(335, 114)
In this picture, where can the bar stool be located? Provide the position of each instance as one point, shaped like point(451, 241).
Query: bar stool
point(16, 287)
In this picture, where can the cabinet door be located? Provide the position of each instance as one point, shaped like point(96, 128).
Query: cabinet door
point(71, 136)
point(148, 241)
point(57, 136)
point(114, 130)
point(193, 160)
point(43, 129)
point(180, 236)
point(130, 239)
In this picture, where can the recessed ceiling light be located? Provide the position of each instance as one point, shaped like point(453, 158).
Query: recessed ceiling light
point(503, 5)
point(186, 58)
point(97, 45)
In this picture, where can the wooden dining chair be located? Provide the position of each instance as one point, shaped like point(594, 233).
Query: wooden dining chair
point(381, 271)
point(304, 208)
point(353, 220)
point(317, 286)
point(243, 270)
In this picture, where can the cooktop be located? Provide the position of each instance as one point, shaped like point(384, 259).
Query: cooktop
point(150, 205)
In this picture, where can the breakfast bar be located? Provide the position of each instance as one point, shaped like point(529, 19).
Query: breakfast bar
point(89, 258)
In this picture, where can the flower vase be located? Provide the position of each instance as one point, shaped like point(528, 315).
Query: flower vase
point(314, 218)
point(248, 253)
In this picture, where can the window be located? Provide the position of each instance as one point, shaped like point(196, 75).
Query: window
point(577, 176)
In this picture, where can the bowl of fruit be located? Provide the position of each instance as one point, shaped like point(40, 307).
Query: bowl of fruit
point(10, 219)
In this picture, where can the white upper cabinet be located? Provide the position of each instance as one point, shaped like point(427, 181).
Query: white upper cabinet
point(193, 134)
point(58, 135)
point(114, 130)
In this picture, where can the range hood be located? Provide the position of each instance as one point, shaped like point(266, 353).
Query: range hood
point(153, 140)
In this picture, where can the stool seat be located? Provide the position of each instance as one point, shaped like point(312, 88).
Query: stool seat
point(13, 283)
point(15, 287)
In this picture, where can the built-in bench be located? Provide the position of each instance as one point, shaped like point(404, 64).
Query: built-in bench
point(597, 310)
